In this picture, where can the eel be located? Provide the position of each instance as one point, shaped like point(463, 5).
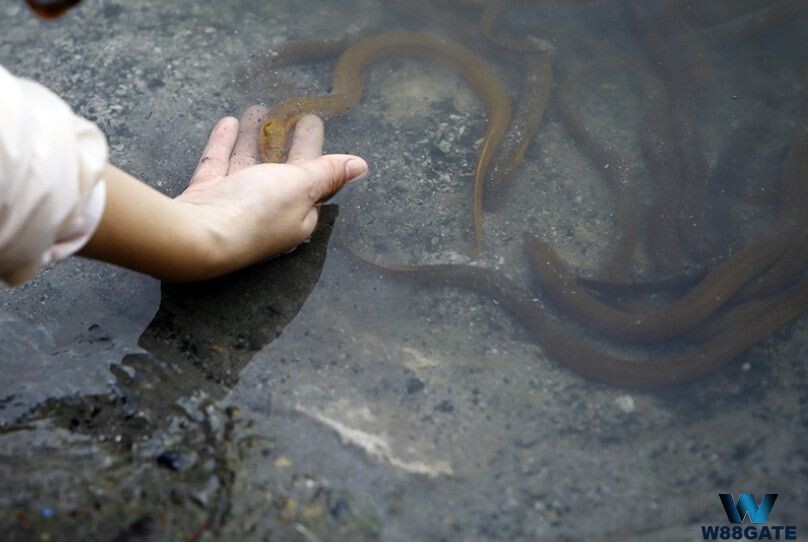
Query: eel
point(567, 346)
point(735, 317)
point(678, 55)
point(533, 98)
point(702, 301)
point(755, 299)
point(347, 91)
point(532, 104)
point(663, 164)
point(793, 196)
point(664, 284)
point(756, 272)
point(737, 152)
point(618, 171)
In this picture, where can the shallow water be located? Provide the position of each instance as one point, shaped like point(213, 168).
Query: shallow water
point(318, 397)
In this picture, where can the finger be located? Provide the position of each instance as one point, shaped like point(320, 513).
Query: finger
point(307, 142)
point(246, 151)
point(329, 173)
point(216, 157)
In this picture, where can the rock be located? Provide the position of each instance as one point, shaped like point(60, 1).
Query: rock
point(625, 403)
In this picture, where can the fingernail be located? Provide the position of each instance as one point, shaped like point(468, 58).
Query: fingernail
point(225, 120)
point(355, 168)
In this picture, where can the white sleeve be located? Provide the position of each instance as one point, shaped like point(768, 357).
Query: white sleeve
point(51, 192)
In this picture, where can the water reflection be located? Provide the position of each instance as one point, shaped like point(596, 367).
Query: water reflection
point(160, 426)
point(196, 328)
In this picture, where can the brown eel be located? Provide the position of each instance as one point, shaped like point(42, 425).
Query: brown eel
point(701, 302)
point(531, 54)
point(533, 100)
point(756, 272)
point(663, 164)
point(622, 176)
point(679, 57)
point(570, 349)
point(347, 91)
point(793, 196)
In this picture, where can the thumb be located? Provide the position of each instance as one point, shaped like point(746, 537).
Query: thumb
point(329, 173)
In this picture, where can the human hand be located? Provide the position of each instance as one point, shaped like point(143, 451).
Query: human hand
point(249, 212)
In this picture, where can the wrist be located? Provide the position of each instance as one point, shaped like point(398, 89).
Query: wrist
point(147, 231)
point(205, 249)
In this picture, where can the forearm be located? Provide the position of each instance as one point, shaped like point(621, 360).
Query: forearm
point(147, 231)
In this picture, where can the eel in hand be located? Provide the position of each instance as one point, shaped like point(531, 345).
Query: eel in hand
point(347, 91)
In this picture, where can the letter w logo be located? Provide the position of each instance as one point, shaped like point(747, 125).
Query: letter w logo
point(747, 505)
